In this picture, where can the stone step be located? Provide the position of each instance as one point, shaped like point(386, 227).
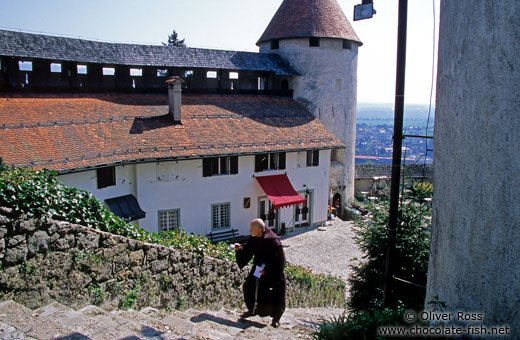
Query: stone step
point(92, 321)
point(151, 327)
point(30, 325)
point(180, 320)
point(56, 321)
point(99, 324)
point(8, 332)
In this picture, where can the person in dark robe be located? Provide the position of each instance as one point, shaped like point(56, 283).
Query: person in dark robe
point(263, 295)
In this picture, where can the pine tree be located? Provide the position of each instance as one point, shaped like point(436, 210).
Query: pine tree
point(173, 40)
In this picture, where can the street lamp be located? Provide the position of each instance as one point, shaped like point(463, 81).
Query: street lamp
point(364, 11)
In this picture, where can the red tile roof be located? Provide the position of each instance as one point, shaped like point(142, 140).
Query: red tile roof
point(309, 18)
point(75, 131)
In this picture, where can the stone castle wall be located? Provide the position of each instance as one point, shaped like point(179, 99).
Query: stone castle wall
point(475, 243)
point(327, 87)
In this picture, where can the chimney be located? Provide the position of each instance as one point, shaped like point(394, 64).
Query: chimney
point(175, 98)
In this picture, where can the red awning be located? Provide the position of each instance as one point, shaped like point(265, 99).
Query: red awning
point(280, 191)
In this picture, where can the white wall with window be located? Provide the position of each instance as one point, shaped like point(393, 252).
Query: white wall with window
point(125, 182)
point(167, 191)
point(169, 219)
point(220, 216)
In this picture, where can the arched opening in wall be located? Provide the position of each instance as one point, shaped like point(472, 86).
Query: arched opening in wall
point(285, 85)
point(336, 204)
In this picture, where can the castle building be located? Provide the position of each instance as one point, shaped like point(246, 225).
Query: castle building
point(321, 45)
point(200, 138)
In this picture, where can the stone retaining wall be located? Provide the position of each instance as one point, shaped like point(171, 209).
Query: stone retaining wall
point(43, 260)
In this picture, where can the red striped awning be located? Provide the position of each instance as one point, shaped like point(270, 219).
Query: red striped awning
point(280, 191)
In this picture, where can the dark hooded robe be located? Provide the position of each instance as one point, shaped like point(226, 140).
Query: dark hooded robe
point(272, 284)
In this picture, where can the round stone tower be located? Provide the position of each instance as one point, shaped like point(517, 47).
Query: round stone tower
point(316, 38)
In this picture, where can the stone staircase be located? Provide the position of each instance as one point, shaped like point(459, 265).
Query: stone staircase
point(56, 321)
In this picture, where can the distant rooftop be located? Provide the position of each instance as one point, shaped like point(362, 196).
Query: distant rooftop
point(309, 18)
point(385, 170)
point(29, 45)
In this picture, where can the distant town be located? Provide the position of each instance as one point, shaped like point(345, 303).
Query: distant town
point(374, 132)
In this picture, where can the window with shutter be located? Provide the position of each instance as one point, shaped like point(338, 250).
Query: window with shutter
point(219, 166)
point(214, 166)
point(270, 161)
point(313, 158)
point(234, 165)
point(261, 162)
point(206, 167)
point(106, 177)
point(281, 161)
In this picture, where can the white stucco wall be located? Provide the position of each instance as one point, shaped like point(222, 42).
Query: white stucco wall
point(184, 188)
point(126, 182)
point(474, 264)
point(327, 87)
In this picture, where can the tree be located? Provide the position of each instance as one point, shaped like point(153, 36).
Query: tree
point(412, 252)
point(173, 40)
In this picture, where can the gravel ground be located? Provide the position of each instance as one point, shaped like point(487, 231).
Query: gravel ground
point(330, 252)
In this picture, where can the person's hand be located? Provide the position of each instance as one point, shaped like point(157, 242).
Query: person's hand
point(238, 246)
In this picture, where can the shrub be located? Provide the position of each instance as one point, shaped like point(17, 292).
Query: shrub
point(358, 325)
point(411, 255)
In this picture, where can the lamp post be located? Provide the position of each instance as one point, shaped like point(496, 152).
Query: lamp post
point(364, 11)
point(396, 156)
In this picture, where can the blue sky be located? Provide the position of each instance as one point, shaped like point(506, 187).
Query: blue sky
point(237, 25)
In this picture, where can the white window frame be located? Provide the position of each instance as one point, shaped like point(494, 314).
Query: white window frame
point(109, 71)
point(136, 72)
point(55, 67)
point(25, 65)
point(168, 216)
point(233, 75)
point(217, 210)
point(211, 74)
point(82, 69)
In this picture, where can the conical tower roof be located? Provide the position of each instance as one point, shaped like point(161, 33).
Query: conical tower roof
point(309, 18)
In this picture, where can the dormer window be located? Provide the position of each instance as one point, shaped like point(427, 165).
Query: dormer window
point(25, 65)
point(275, 44)
point(82, 69)
point(136, 72)
point(314, 42)
point(55, 67)
point(109, 71)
